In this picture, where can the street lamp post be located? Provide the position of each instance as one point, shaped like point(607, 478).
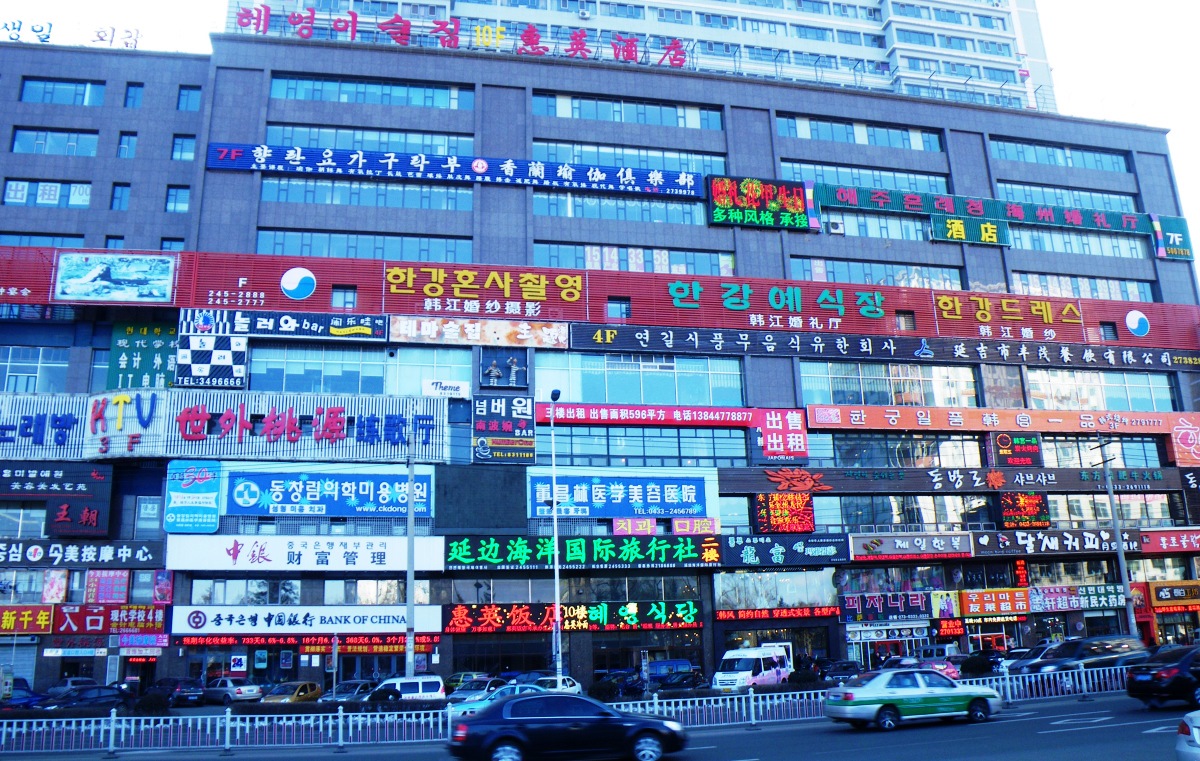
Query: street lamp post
point(410, 573)
point(1122, 567)
point(556, 635)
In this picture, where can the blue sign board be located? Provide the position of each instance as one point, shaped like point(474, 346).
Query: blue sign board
point(356, 494)
point(618, 496)
point(193, 491)
point(334, 162)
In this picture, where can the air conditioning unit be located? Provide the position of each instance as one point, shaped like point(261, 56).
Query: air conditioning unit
point(836, 227)
point(585, 15)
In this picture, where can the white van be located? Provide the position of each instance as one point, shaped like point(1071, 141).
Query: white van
point(938, 652)
point(747, 667)
point(427, 687)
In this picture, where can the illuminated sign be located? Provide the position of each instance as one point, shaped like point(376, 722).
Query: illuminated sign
point(1170, 541)
point(1082, 597)
point(979, 621)
point(994, 602)
point(1170, 593)
point(785, 512)
point(595, 617)
point(882, 547)
point(950, 627)
point(503, 430)
point(784, 550)
point(623, 492)
point(1016, 450)
point(475, 553)
point(764, 204)
point(1024, 510)
point(1021, 572)
point(886, 606)
point(761, 614)
point(461, 331)
point(368, 645)
point(1056, 542)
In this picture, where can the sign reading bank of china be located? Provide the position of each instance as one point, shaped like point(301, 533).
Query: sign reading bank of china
point(301, 619)
point(310, 427)
point(421, 166)
point(262, 553)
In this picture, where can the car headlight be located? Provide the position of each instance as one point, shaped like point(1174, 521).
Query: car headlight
point(1050, 667)
point(674, 726)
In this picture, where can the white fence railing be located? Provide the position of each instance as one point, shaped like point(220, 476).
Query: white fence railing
point(229, 732)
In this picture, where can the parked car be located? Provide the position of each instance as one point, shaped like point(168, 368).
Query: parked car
point(680, 680)
point(349, 691)
point(22, 697)
point(178, 691)
point(942, 665)
point(1034, 653)
point(230, 690)
point(1011, 656)
point(425, 687)
point(890, 697)
point(560, 684)
point(629, 684)
point(458, 677)
point(840, 671)
point(293, 692)
point(475, 689)
point(900, 662)
point(555, 725)
point(472, 707)
point(66, 684)
point(1089, 653)
point(1187, 738)
point(95, 696)
point(1172, 674)
point(529, 677)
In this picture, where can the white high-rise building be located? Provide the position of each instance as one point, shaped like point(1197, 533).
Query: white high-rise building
point(987, 52)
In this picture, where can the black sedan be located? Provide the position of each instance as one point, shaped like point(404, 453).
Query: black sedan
point(680, 680)
point(1172, 674)
point(104, 698)
point(179, 691)
point(841, 671)
point(554, 725)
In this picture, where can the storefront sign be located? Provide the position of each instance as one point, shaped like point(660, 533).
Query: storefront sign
point(1056, 542)
point(365, 644)
point(949, 627)
point(204, 361)
point(467, 331)
point(1175, 593)
point(594, 617)
point(109, 619)
point(106, 586)
point(76, 495)
point(670, 416)
point(1016, 450)
point(1081, 597)
point(784, 512)
point(262, 553)
point(684, 526)
point(623, 493)
point(505, 553)
point(75, 652)
point(193, 497)
point(144, 640)
point(761, 204)
point(1170, 541)
point(236, 640)
point(114, 278)
point(369, 491)
point(770, 614)
point(26, 619)
point(1024, 510)
point(448, 389)
point(842, 345)
point(142, 355)
point(997, 602)
point(42, 426)
point(888, 606)
point(862, 417)
point(43, 553)
point(463, 169)
point(271, 620)
point(640, 526)
point(503, 430)
point(885, 547)
point(784, 550)
point(328, 328)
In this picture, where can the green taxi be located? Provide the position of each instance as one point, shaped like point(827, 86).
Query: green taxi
point(892, 696)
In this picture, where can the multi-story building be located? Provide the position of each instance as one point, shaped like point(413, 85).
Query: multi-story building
point(831, 365)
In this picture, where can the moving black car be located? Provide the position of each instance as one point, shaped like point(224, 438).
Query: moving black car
point(544, 725)
point(104, 698)
point(840, 671)
point(1172, 674)
point(179, 691)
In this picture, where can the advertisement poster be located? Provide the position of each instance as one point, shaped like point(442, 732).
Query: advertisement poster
point(54, 585)
point(193, 493)
point(503, 430)
point(110, 277)
point(142, 355)
point(1024, 510)
point(106, 586)
point(164, 587)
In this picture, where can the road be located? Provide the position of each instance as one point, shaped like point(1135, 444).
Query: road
point(1112, 728)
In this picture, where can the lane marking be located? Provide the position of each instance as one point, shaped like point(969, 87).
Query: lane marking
point(1106, 726)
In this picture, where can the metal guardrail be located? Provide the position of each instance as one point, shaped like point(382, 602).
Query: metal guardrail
point(228, 732)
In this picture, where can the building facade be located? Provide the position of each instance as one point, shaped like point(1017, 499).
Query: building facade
point(835, 367)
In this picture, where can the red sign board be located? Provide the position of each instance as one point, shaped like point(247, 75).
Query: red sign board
point(26, 619)
point(1171, 542)
point(595, 617)
point(951, 627)
point(1016, 450)
point(109, 619)
point(367, 644)
point(784, 512)
point(994, 602)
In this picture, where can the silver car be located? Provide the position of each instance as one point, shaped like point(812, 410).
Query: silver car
point(230, 690)
point(475, 689)
point(349, 691)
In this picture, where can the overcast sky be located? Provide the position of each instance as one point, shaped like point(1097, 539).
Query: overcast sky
point(1111, 60)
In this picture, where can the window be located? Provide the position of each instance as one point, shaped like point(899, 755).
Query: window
point(887, 226)
point(370, 140)
point(22, 520)
point(360, 246)
point(127, 145)
point(627, 111)
point(813, 33)
point(906, 322)
point(55, 142)
point(62, 92)
point(1108, 331)
point(643, 378)
point(292, 368)
point(874, 41)
point(621, 208)
point(640, 158)
point(373, 91)
point(40, 239)
point(345, 297)
point(120, 197)
point(645, 446)
point(1082, 452)
point(245, 592)
point(114, 241)
point(849, 38)
point(1073, 286)
point(631, 259)
point(852, 449)
point(888, 384)
point(1049, 195)
point(619, 309)
point(1054, 389)
point(1086, 243)
point(62, 195)
point(910, 11)
point(390, 195)
point(30, 369)
point(170, 244)
point(876, 273)
point(956, 43)
point(864, 177)
point(178, 198)
point(183, 148)
point(133, 94)
point(999, 75)
point(888, 136)
point(374, 592)
point(915, 38)
point(189, 98)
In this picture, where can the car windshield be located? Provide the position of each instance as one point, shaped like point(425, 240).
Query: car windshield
point(862, 679)
point(1174, 655)
point(474, 684)
point(845, 665)
point(283, 689)
point(737, 664)
point(347, 688)
point(1064, 650)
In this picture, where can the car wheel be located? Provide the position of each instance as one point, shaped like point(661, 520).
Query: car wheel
point(978, 711)
point(227, 700)
point(647, 747)
point(506, 751)
point(887, 719)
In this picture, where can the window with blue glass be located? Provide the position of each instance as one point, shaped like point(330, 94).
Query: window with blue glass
point(62, 92)
point(888, 384)
point(55, 142)
point(631, 259)
point(386, 195)
point(363, 246)
point(618, 208)
point(1125, 391)
point(641, 378)
point(305, 136)
point(372, 91)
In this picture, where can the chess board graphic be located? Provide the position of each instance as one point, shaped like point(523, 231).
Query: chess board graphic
point(211, 361)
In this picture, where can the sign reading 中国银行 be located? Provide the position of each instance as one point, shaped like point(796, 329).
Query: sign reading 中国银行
point(755, 203)
point(479, 553)
point(236, 620)
point(421, 166)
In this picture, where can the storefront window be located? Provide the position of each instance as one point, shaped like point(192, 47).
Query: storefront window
point(922, 511)
point(1087, 509)
point(1158, 569)
point(372, 592)
point(775, 589)
point(21, 586)
point(1075, 572)
point(23, 520)
point(883, 450)
point(850, 580)
point(148, 524)
point(1082, 452)
point(141, 588)
point(245, 592)
point(641, 379)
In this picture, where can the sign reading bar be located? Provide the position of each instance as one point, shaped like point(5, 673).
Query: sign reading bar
point(766, 204)
point(503, 430)
point(593, 617)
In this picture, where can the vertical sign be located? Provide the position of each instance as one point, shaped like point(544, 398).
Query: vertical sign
point(1016, 450)
point(142, 355)
point(786, 512)
point(503, 430)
